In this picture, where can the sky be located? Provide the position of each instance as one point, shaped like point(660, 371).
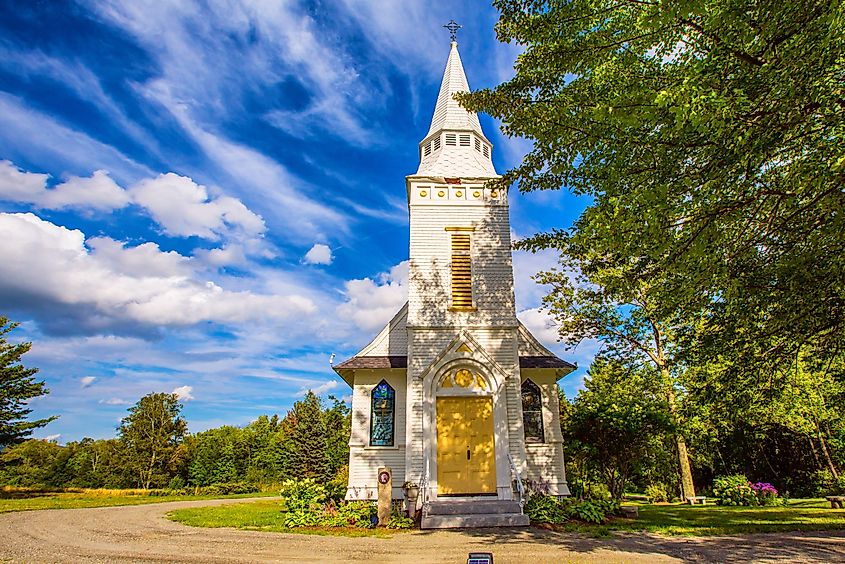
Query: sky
point(208, 198)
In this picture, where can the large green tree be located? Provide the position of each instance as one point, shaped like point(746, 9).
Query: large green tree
point(709, 136)
point(152, 435)
point(17, 386)
point(615, 420)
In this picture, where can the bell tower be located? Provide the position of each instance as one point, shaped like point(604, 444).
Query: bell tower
point(460, 248)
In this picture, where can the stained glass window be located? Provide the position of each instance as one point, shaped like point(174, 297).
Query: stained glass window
point(382, 415)
point(532, 412)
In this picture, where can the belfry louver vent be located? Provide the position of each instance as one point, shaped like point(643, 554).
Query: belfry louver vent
point(461, 272)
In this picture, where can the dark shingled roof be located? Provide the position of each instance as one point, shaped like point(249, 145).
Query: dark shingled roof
point(544, 362)
point(372, 362)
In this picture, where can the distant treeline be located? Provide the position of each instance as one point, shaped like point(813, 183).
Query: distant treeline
point(154, 450)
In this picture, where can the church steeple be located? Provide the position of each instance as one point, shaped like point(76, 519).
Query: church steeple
point(455, 145)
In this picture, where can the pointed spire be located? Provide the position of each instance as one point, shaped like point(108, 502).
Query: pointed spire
point(455, 145)
point(448, 114)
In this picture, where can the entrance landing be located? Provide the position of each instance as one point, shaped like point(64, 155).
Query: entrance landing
point(457, 514)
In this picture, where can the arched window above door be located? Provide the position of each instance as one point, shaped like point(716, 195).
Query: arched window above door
point(382, 415)
point(532, 412)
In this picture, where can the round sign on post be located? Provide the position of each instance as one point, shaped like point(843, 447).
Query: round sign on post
point(385, 494)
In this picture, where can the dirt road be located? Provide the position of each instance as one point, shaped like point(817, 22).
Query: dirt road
point(142, 534)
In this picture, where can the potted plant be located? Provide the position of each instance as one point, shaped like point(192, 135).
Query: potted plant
point(412, 491)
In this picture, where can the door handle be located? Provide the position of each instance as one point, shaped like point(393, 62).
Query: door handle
point(468, 455)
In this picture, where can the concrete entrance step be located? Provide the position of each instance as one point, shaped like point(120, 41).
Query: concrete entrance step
point(443, 514)
point(463, 507)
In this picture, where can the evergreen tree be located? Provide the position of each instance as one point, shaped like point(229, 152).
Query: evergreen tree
point(338, 423)
point(17, 385)
point(305, 452)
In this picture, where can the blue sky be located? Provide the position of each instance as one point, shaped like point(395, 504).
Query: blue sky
point(209, 197)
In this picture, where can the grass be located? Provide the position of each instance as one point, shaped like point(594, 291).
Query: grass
point(698, 520)
point(15, 499)
point(260, 516)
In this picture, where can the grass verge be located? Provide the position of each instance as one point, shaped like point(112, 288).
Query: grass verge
point(707, 520)
point(260, 516)
point(21, 500)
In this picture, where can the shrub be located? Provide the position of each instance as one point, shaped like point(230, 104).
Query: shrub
point(733, 490)
point(301, 495)
point(176, 483)
point(837, 487)
point(548, 509)
point(657, 493)
point(737, 490)
point(399, 522)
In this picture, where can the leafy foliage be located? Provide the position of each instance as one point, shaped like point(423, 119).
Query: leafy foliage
point(709, 135)
point(17, 385)
point(612, 421)
point(548, 509)
point(151, 435)
point(657, 493)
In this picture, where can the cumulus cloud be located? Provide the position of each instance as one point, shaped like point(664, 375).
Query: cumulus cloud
point(184, 393)
point(86, 381)
point(372, 303)
point(52, 438)
point(99, 192)
point(179, 205)
point(319, 254)
point(183, 207)
point(541, 325)
point(320, 389)
point(49, 268)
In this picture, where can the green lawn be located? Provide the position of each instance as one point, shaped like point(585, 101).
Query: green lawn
point(260, 516)
point(698, 520)
point(28, 501)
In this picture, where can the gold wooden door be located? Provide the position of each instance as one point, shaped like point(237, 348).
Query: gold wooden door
point(466, 461)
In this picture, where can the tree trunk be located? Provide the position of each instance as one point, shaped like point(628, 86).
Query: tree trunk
point(826, 453)
point(687, 486)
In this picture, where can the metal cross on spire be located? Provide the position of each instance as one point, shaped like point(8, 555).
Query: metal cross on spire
point(453, 28)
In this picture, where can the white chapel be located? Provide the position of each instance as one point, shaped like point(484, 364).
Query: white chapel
point(455, 394)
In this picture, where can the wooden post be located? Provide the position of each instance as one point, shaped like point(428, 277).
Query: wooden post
point(385, 495)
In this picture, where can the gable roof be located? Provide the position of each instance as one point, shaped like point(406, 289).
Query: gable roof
point(389, 349)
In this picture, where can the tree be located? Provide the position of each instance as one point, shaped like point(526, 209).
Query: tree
point(605, 297)
point(152, 434)
point(213, 456)
point(338, 422)
point(305, 440)
point(709, 136)
point(17, 386)
point(615, 419)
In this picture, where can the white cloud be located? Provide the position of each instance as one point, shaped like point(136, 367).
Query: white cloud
point(115, 401)
point(320, 389)
point(182, 207)
point(184, 393)
point(372, 303)
point(52, 438)
point(48, 266)
point(541, 325)
point(319, 254)
point(86, 381)
point(98, 192)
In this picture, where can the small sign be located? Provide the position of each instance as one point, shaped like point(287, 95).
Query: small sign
point(480, 558)
point(385, 494)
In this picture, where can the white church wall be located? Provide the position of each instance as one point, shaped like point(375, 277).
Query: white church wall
point(365, 460)
point(544, 461)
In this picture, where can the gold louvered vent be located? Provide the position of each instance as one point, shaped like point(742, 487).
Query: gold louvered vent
point(461, 271)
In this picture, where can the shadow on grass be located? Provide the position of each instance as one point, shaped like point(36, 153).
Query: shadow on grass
point(802, 531)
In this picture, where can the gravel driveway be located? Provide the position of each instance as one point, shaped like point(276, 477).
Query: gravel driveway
point(141, 533)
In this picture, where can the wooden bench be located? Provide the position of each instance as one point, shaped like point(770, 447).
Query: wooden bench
point(698, 498)
point(836, 501)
